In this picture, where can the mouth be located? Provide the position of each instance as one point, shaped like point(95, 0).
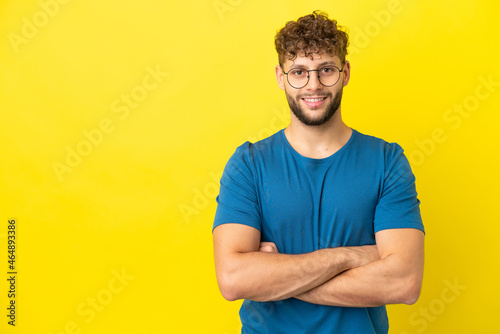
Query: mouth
point(314, 101)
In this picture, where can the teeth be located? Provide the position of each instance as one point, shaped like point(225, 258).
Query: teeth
point(314, 100)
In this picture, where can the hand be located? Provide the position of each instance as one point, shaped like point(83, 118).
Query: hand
point(268, 247)
point(364, 254)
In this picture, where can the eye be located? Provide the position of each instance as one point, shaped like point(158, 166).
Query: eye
point(328, 70)
point(298, 72)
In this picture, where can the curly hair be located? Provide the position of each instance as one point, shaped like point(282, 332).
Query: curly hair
point(310, 34)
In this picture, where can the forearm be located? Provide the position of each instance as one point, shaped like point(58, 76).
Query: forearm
point(377, 283)
point(247, 271)
point(263, 276)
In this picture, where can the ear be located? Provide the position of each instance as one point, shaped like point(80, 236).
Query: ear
point(280, 76)
point(346, 72)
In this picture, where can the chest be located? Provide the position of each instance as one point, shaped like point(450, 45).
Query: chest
point(305, 208)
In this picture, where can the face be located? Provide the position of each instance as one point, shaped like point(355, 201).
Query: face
point(313, 104)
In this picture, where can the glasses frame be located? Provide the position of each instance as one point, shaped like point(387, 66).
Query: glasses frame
point(309, 75)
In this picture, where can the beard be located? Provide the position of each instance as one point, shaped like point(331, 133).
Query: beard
point(331, 108)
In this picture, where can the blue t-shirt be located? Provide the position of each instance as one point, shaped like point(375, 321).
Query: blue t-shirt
point(303, 204)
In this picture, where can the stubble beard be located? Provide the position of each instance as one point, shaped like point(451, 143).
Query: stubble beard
point(331, 108)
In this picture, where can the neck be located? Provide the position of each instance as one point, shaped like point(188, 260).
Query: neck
point(318, 142)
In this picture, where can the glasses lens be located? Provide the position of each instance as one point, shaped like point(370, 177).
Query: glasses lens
point(329, 75)
point(298, 78)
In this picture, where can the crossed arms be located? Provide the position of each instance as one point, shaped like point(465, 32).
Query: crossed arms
point(365, 276)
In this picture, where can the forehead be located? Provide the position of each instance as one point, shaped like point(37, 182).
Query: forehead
point(312, 61)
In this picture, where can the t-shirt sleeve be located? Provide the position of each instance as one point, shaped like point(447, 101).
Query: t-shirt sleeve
point(398, 205)
point(237, 201)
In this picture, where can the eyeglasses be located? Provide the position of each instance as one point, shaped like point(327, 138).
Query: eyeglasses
point(328, 76)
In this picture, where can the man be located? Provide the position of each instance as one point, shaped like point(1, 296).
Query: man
point(317, 227)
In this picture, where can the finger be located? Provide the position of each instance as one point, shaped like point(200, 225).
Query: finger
point(269, 247)
point(266, 248)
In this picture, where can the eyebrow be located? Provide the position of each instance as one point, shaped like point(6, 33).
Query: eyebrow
point(328, 62)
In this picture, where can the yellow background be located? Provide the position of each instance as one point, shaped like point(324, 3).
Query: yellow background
point(140, 203)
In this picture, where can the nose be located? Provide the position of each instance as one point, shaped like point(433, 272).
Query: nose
point(314, 83)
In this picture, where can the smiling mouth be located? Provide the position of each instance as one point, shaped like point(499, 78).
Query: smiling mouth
point(314, 99)
point(314, 102)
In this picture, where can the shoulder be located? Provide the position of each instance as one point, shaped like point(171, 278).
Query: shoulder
point(248, 154)
point(372, 145)
point(372, 142)
point(249, 151)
